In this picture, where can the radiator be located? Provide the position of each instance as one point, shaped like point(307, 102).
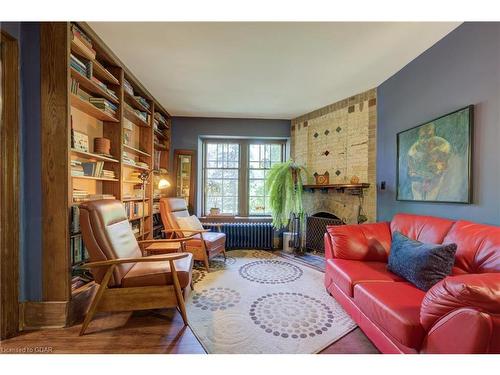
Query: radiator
point(247, 235)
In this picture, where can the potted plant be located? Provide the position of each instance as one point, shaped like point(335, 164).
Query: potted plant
point(284, 188)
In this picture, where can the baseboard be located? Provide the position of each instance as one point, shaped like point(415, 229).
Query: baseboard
point(39, 315)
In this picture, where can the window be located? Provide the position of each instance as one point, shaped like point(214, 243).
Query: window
point(234, 175)
point(221, 177)
point(261, 158)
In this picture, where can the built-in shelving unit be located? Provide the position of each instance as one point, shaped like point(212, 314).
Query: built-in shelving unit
point(98, 97)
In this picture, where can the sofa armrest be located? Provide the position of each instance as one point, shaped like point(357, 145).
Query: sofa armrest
point(463, 331)
point(367, 242)
point(476, 291)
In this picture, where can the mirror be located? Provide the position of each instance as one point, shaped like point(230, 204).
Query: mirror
point(184, 163)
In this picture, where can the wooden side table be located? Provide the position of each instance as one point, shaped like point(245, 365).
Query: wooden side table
point(164, 248)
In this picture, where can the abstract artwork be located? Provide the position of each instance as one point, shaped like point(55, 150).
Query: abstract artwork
point(434, 159)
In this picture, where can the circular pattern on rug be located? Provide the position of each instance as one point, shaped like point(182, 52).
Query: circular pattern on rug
point(270, 272)
point(262, 254)
point(291, 315)
point(198, 275)
point(214, 299)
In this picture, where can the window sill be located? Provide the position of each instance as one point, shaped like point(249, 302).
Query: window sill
point(234, 219)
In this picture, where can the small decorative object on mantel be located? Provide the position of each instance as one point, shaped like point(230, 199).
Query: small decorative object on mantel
point(354, 180)
point(322, 179)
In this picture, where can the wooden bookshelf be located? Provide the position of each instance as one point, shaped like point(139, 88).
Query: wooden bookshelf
point(91, 109)
point(129, 135)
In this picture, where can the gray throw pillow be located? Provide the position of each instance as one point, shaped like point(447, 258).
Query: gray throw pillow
point(421, 264)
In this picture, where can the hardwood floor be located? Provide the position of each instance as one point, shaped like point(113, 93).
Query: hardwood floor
point(159, 331)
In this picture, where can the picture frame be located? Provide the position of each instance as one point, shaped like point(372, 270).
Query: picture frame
point(434, 159)
point(80, 141)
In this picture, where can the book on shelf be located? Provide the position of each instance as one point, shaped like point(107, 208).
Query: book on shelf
point(96, 169)
point(82, 66)
point(80, 34)
point(142, 115)
point(75, 85)
point(128, 87)
point(89, 51)
point(143, 101)
point(103, 104)
point(135, 209)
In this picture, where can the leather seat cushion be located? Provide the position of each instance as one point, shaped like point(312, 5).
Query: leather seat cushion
point(347, 273)
point(213, 240)
point(394, 307)
point(158, 273)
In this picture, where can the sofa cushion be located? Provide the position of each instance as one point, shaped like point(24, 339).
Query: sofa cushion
point(369, 242)
point(421, 264)
point(347, 273)
point(428, 229)
point(158, 273)
point(478, 247)
point(394, 307)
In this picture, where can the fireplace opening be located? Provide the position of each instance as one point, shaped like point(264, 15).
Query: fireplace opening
point(316, 228)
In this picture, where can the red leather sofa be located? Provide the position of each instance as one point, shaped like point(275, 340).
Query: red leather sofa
point(460, 314)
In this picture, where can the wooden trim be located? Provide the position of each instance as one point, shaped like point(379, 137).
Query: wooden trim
point(55, 115)
point(38, 315)
point(192, 180)
point(10, 186)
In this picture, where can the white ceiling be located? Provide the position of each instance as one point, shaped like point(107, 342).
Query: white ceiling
point(264, 70)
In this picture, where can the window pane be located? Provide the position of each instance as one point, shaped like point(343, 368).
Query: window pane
point(221, 166)
point(262, 157)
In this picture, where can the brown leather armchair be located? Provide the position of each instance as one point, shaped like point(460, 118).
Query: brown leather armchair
point(204, 244)
point(128, 280)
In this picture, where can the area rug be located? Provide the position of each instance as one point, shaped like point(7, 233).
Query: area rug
point(258, 302)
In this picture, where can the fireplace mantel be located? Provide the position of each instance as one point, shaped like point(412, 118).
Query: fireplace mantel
point(355, 189)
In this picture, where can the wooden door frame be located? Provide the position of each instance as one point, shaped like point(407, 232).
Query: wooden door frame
point(192, 192)
point(9, 187)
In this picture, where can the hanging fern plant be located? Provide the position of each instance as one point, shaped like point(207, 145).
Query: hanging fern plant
point(284, 188)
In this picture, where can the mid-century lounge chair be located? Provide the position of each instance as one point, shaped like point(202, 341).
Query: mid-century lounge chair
point(204, 245)
point(128, 280)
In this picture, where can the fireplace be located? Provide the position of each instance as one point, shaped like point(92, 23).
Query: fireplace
point(316, 227)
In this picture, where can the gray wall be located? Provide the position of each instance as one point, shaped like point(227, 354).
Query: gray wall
point(28, 36)
point(461, 69)
point(186, 131)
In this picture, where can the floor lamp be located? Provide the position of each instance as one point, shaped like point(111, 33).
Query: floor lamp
point(162, 184)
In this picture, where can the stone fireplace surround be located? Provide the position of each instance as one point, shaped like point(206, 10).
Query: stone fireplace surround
point(339, 139)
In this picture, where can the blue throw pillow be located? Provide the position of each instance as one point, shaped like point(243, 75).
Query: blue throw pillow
point(421, 264)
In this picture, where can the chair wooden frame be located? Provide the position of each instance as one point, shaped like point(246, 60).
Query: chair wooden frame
point(200, 253)
point(137, 298)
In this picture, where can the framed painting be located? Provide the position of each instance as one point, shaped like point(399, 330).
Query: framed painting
point(434, 159)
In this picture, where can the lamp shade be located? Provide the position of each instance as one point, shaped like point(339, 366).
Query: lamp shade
point(163, 183)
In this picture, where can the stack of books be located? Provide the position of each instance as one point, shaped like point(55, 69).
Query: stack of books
point(82, 41)
point(94, 197)
point(108, 173)
point(103, 86)
point(127, 158)
point(160, 121)
point(82, 66)
point(134, 177)
point(104, 105)
point(74, 227)
point(128, 87)
point(77, 168)
point(143, 101)
point(80, 195)
point(142, 115)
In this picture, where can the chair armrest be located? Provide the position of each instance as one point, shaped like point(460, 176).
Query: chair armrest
point(180, 239)
point(194, 231)
point(114, 262)
point(366, 242)
point(477, 291)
